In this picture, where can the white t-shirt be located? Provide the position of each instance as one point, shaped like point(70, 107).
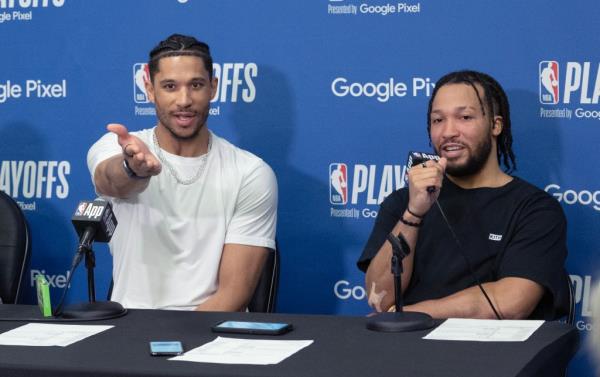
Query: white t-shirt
point(168, 242)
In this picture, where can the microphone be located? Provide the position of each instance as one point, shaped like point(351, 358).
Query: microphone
point(417, 158)
point(94, 221)
point(399, 321)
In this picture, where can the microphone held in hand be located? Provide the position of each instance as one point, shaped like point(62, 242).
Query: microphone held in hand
point(417, 158)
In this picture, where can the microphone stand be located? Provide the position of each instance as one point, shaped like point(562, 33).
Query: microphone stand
point(92, 310)
point(400, 321)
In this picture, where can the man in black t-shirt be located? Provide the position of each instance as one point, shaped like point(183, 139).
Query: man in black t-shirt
point(508, 235)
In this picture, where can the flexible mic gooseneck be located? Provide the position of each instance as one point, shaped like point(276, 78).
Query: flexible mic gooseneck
point(94, 221)
point(399, 320)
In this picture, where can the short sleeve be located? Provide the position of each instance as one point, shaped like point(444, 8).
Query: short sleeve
point(389, 214)
point(537, 251)
point(106, 147)
point(255, 217)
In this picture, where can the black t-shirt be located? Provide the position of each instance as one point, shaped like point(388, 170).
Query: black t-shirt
point(516, 230)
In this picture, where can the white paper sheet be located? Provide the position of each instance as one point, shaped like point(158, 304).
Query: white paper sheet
point(244, 351)
point(47, 334)
point(484, 330)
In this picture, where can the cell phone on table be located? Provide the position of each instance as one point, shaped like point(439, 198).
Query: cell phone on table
point(166, 348)
point(247, 327)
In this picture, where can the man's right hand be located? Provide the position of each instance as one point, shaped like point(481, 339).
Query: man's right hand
point(143, 162)
point(420, 178)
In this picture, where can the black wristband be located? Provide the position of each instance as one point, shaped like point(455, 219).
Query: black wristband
point(416, 225)
point(414, 214)
point(130, 173)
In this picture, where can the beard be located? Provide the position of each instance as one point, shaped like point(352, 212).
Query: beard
point(164, 119)
point(474, 163)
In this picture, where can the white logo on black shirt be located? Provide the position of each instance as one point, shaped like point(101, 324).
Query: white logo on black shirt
point(495, 237)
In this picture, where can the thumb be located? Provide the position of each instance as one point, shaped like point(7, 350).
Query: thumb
point(120, 130)
point(443, 162)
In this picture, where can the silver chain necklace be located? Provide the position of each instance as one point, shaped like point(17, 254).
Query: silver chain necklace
point(172, 169)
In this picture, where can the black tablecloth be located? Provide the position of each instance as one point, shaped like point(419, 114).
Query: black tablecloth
point(342, 347)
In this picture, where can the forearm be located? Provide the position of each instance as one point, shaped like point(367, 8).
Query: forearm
point(513, 298)
point(110, 179)
point(223, 301)
point(239, 272)
point(379, 279)
point(468, 303)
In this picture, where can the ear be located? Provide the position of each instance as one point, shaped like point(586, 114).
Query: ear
point(214, 85)
point(497, 125)
point(149, 90)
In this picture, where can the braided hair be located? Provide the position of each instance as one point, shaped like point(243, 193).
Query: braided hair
point(180, 45)
point(496, 102)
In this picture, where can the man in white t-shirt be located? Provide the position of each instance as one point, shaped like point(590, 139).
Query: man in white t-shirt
point(196, 214)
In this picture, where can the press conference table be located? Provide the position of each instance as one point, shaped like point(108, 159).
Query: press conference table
point(342, 347)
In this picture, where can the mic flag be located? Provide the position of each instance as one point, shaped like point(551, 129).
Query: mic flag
point(416, 158)
point(94, 220)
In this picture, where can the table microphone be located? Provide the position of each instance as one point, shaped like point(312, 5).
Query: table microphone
point(94, 221)
point(399, 321)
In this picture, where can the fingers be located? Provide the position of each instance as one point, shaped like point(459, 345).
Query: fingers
point(139, 157)
point(123, 136)
point(131, 144)
point(440, 164)
point(427, 174)
point(144, 164)
point(424, 182)
point(132, 149)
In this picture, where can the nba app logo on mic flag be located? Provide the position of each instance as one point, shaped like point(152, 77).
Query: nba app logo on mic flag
point(81, 208)
point(338, 183)
point(140, 75)
point(549, 82)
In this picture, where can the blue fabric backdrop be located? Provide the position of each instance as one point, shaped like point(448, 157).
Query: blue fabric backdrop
point(315, 88)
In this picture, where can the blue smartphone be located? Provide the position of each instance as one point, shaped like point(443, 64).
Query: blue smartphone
point(246, 327)
point(166, 348)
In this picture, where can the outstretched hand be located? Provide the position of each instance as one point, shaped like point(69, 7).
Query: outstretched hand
point(143, 162)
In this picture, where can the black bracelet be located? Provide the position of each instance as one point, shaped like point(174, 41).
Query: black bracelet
point(414, 214)
point(129, 171)
point(416, 225)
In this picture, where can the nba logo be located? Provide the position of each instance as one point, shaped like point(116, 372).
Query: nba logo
point(81, 208)
point(549, 82)
point(338, 183)
point(141, 74)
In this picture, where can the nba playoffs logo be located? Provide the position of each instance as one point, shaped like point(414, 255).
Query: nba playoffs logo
point(338, 183)
point(549, 82)
point(141, 74)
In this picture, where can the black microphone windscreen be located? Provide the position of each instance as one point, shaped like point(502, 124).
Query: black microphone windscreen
point(97, 214)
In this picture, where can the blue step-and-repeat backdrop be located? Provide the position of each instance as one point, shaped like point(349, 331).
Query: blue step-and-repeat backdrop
point(317, 88)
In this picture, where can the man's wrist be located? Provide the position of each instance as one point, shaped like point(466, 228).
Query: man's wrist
point(408, 215)
point(411, 220)
point(414, 214)
point(130, 173)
